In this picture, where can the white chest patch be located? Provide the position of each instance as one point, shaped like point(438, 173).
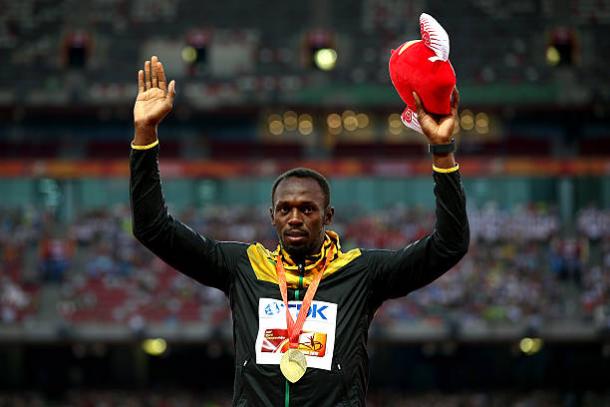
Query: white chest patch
point(317, 340)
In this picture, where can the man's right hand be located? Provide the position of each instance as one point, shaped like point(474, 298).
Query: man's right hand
point(155, 100)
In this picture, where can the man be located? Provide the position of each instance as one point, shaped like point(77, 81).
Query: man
point(320, 344)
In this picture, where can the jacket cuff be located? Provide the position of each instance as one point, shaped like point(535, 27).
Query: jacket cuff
point(146, 147)
point(446, 170)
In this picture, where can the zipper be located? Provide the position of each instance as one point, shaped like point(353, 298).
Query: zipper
point(339, 369)
point(240, 391)
point(301, 269)
point(296, 297)
point(342, 377)
point(243, 366)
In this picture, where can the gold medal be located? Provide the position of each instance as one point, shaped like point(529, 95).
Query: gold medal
point(293, 365)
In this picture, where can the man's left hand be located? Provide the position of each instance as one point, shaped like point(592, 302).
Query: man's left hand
point(438, 129)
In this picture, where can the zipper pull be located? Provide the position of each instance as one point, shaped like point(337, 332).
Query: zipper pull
point(301, 269)
point(339, 366)
point(245, 362)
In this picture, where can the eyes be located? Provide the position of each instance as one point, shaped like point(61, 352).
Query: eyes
point(306, 209)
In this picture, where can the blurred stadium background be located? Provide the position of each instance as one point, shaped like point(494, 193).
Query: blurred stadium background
point(90, 318)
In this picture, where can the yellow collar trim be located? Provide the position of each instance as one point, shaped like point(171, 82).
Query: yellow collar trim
point(311, 262)
point(262, 261)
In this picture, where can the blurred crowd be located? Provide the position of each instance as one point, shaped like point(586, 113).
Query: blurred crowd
point(521, 268)
point(115, 398)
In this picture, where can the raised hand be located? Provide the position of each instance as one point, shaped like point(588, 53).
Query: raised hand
point(155, 98)
point(438, 129)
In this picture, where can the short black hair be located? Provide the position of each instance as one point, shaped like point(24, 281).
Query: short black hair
point(302, 172)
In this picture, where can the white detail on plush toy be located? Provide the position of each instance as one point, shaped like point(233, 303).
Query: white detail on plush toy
point(409, 119)
point(406, 45)
point(434, 36)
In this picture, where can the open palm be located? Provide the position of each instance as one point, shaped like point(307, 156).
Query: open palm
point(155, 98)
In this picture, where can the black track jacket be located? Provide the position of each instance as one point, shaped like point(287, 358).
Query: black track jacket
point(353, 287)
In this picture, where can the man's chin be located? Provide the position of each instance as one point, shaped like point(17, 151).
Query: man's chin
point(293, 250)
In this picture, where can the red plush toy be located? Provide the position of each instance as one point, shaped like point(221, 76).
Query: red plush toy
point(422, 66)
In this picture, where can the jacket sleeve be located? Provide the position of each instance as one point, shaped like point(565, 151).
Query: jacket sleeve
point(205, 260)
point(395, 273)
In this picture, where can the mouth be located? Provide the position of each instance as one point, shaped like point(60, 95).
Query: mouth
point(295, 236)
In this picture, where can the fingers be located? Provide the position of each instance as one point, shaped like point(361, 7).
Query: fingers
point(153, 76)
point(171, 92)
point(141, 81)
point(154, 69)
point(455, 101)
point(455, 97)
point(421, 113)
point(429, 125)
point(147, 75)
point(161, 75)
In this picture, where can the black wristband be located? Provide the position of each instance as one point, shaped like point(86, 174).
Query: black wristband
point(442, 148)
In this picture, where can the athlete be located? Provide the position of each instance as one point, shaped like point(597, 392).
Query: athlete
point(301, 313)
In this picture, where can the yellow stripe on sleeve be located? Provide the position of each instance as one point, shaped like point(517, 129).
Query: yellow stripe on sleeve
point(146, 147)
point(446, 170)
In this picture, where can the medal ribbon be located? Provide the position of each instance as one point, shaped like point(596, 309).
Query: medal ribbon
point(294, 328)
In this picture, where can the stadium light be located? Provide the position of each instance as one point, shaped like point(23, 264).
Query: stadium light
point(363, 120)
point(530, 346)
point(195, 53)
point(482, 123)
point(325, 59)
point(350, 122)
point(305, 124)
point(275, 124)
point(319, 49)
point(552, 56)
point(154, 346)
point(395, 125)
point(562, 47)
point(189, 54)
point(290, 120)
point(334, 124)
point(467, 120)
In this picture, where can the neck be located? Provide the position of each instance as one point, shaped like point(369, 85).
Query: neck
point(298, 256)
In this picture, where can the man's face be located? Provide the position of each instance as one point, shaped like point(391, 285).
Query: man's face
point(299, 216)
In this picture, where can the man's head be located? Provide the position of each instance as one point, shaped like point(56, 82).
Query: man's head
point(300, 210)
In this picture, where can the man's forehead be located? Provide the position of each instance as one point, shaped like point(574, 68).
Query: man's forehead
point(298, 188)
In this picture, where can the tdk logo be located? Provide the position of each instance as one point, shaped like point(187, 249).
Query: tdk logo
point(315, 311)
point(273, 308)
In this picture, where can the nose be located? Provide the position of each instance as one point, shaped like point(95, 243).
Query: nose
point(295, 218)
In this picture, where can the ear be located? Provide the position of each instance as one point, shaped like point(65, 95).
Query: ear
point(271, 215)
point(434, 36)
point(329, 213)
